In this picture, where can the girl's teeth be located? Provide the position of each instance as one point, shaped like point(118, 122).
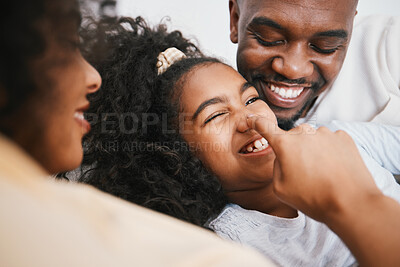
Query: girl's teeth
point(258, 144)
point(264, 141)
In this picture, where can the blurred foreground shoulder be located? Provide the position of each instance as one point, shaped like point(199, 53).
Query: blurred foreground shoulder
point(53, 223)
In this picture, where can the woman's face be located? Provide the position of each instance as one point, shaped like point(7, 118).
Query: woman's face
point(216, 101)
point(51, 126)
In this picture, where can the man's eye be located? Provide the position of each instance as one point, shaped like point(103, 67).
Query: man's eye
point(252, 100)
point(213, 117)
point(266, 43)
point(324, 51)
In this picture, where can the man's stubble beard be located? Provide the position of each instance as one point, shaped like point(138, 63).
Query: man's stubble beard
point(289, 123)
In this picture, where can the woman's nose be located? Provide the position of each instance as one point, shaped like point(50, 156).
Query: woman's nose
point(93, 79)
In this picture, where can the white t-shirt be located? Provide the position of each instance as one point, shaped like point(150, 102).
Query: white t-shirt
point(368, 85)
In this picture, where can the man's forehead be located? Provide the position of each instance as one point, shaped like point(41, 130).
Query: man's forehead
point(325, 13)
point(312, 5)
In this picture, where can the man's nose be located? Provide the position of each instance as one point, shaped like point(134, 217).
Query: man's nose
point(293, 63)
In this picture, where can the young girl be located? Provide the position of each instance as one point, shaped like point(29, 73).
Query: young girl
point(170, 132)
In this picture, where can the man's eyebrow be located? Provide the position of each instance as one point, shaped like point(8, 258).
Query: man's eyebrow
point(333, 33)
point(264, 21)
point(207, 103)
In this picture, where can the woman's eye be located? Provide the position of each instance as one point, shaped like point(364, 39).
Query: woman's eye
point(252, 100)
point(213, 117)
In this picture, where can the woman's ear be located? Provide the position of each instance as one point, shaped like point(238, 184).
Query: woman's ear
point(234, 20)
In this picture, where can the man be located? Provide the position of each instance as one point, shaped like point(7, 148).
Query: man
point(294, 52)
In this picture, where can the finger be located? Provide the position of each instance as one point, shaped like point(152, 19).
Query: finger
point(279, 187)
point(303, 129)
point(265, 126)
point(277, 173)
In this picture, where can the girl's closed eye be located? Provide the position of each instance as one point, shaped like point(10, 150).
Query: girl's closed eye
point(214, 116)
point(220, 113)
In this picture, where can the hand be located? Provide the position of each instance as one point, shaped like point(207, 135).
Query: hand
point(318, 172)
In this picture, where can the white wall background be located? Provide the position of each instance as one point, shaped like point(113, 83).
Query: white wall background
point(207, 21)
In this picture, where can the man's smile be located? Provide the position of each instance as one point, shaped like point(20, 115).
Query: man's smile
point(283, 95)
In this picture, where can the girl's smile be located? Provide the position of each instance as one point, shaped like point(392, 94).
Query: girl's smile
point(217, 101)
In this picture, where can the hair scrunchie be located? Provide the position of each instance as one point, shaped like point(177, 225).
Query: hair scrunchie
point(167, 58)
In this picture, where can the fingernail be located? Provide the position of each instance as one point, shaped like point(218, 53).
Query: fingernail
point(251, 115)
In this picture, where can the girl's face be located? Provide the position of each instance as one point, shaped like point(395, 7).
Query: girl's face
point(215, 101)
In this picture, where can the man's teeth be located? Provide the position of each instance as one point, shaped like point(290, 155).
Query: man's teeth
point(257, 145)
point(290, 93)
point(79, 115)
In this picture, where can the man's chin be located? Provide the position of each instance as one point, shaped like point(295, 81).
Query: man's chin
point(287, 123)
point(287, 118)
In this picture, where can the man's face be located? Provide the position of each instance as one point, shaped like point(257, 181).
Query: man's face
point(291, 50)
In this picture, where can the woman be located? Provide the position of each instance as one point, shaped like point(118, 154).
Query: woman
point(194, 108)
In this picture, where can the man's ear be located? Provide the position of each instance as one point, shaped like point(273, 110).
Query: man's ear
point(234, 20)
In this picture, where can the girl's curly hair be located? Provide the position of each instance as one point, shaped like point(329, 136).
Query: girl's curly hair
point(134, 150)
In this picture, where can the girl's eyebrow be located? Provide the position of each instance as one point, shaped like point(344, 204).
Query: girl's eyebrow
point(207, 103)
point(215, 100)
point(245, 86)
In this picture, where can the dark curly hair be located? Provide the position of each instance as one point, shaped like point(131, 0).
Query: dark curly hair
point(25, 26)
point(134, 150)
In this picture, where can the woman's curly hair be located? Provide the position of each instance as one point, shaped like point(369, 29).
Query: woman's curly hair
point(134, 150)
point(25, 26)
